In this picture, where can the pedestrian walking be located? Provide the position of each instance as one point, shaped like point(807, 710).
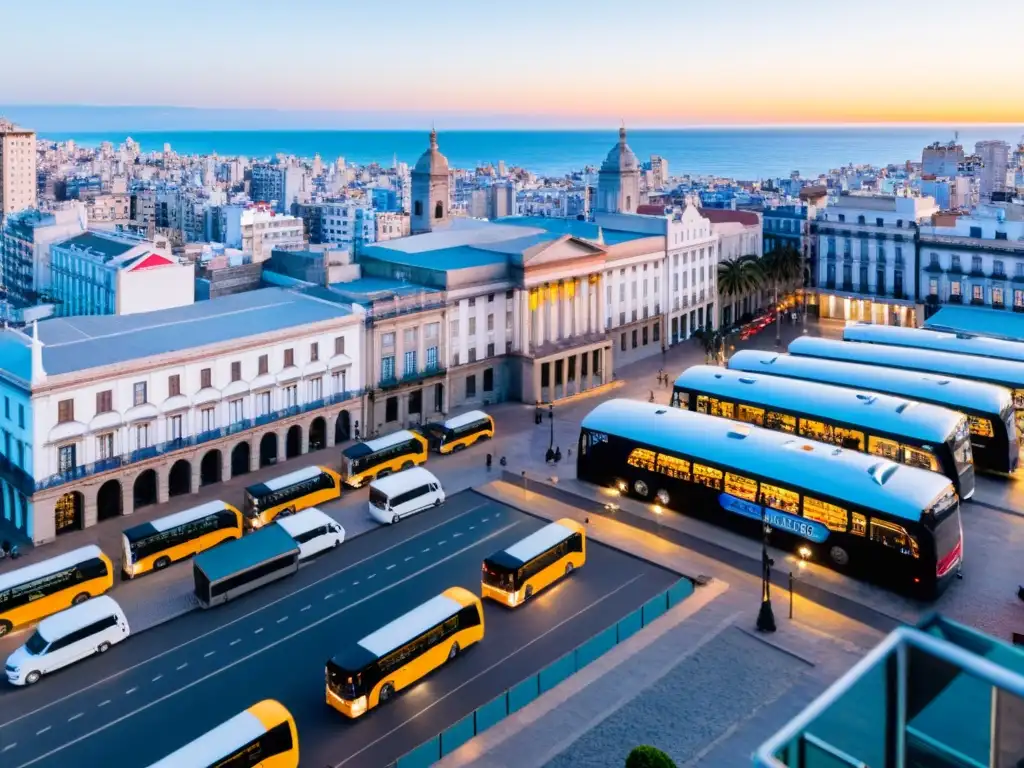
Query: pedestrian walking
point(488, 462)
point(651, 398)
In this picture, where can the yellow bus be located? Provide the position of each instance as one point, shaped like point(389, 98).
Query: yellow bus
point(459, 431)
point(516, 574)
point(386, 455)
point(287, 494)
point(156, 544)
point(264, 735)
point(397, 655)
point(35, 591)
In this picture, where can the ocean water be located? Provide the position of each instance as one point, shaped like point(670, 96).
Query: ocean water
point(741, 153)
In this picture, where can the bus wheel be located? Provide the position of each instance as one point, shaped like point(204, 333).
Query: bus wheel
point(161, 563)
point(662, 497)
point(80, 598)
point(453, 652)
point(102, 647)
point(5, 627)
point(394, 519)
point(641, 488)
point(529, 592)
point(386, 692)
point(839, 556)
point(408, 465)
point(568, 568)
point(437, 502)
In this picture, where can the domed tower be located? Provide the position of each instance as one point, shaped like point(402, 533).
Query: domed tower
point(430, 196)
point(618, 181)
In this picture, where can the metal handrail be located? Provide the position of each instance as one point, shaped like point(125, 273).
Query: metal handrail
point(902, 637)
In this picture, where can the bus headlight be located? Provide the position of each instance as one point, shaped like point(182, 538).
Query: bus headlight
point(358, 706)
point(256, 523)
point(511, 598)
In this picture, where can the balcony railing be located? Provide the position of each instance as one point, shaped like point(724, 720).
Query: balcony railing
point(409, 378)
point(180, 443)
point(956, 298)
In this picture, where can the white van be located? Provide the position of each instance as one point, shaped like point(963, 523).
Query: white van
point(66, 637)
point(404, 493)
point(313, 531)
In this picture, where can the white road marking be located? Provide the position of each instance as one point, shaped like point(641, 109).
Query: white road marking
point(253, 612)
point(408, 558)
point(40, 733)
point(328, 596)
point(156, 678)
point(442, 542)
point(456, 535)
point(390, 567)
point(236, 641)
point(75, 717)
point(9, 746)
point(355, 583)
point(484, 519)
point(425, 550)
point(208, 654)
point(103, 703)
point(370, 576)
point(464, 683)
point(282, 620)
point(181, 667)
point(256, 632)
point(130, 691)
point(472, 527)
point(305, 608)
point(286, 638)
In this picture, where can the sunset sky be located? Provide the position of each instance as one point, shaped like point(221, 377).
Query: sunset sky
point(556, 63)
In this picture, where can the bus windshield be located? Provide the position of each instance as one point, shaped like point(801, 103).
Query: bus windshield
point(378, 498)
point(962, 454)
point(944, 522)
point(348, 685)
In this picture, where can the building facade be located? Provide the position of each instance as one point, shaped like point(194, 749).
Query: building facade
point(995, 162)
point(25, 242)
point(740, 236)
point(618, 181)
point(258, 230)
point(194, 396)
point(867, 266)
point(17, 169)
point(431, 190)
point(279, 185)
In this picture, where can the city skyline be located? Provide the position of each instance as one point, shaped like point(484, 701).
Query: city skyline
point(542, 66)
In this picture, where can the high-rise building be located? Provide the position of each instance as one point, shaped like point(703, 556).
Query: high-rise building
point(659, 171)
point(995, 158)
point(940, 159)
point(279, 185)
point(17, 168)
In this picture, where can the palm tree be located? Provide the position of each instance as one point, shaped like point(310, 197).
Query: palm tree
point(737, 277)
point(708, 340)
point(781, 267)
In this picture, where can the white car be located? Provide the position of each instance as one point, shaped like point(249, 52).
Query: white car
point(66, 637)
point(404, 493)
point(313, 530)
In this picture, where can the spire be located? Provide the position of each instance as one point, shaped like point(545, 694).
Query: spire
point(622, 133)
point(433, 138)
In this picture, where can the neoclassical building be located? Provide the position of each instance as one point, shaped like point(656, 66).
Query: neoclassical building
point(106, 414)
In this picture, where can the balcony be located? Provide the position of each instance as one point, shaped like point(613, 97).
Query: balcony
point(978, 272)
point(998, 305)
point(977, 302)
point(411, 378)
point(956, 298)
point(830, 285)
point(1000, 275)
point(179, 443)
point(955, 269)
point(934, 268)
point(848, 286)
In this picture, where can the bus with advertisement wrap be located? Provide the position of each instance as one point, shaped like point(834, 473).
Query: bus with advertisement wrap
point(894, 524)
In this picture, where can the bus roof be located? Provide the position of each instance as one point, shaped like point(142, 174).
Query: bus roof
point(465, 418)
point(947, 390)
point(1002, 372)
point(922, 338)
point(539, 541)
point(412, 624)
point(897, 489)
point(53, 565)
point(367, 447)
point(241, 554)
point(78, 616)
point(216, 744)
point(291, 478)
point(882, 412)
point(404, 480)
point(143, 530)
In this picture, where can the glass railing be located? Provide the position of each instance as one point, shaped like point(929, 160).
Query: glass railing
point(178, 443)
point(939, 695)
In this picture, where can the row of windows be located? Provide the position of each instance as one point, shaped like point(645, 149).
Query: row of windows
point(813, 429)
point(998, 265)
point(160, 541)
point(21, 411)
point(84, 633)
point(574, 543)
point(20, 594)
point(465, 619)
point(834, 517)
point(405, 448)
point(569, 365)
point(253, 574)
point(322, 482)
point(655, 336)
point(996, 295)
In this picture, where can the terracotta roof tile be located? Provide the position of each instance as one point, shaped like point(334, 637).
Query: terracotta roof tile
point(726, 216)
point(650, 210)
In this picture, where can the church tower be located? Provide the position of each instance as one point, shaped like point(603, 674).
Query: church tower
point(618, 181)
point(430, 194)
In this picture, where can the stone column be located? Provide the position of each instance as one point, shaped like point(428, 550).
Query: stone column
point(162, 485)
point(536, 380)
point(602, 309)
point(524, 321)
point(225, 462)
point(254, 454)
point(538, 321)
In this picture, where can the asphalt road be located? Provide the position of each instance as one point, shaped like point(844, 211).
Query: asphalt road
point(164, 687)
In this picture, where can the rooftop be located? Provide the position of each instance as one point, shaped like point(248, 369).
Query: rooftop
point(100, 247)
point(367, 290)
point(727, 216)
point(73, 344)
point(978, 321)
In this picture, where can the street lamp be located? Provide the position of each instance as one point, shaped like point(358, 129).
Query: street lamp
point(551, 442)
point(765, 616)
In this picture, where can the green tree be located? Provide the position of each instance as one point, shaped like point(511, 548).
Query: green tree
point(738, 277)
point(782, 267)
point(710, 341)
point(646, 756)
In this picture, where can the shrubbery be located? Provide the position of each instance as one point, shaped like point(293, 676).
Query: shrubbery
point(646, 756)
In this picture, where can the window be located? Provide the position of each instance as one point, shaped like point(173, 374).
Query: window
point(417, 208)
point(314, 352)
point(471, 386)
point(409, 337)
point(139, 395)
point(751, 415)
point(454, 332)
point(236, 371)
point(634, 338)
point(289, 358)
point(622, 342)
point(977, 293)
point(339, 345)
point(894, 537)
point(642, 458)
point(174, 423)
point(1018, 298)
point(643, 335)
point(208, 419)
point(105, 446)
point(780, 421)
point(472, 326)
point(262, 403)
point(409, 364)
point(954, 288)
point(431, 358)
point(431, 331)
point(933, 287)
point(264, 365)
point(740, 486)
point(142, 436)
point(236, 411)
point(291, 396)
point(387, 368)
point(173, 385)
point(471, 356)
point(105, 401)
point(66, 458)
point(656, 332)
point(882, 446)
point(65, 411)
point(673, 467)
point(472, 301)
point(715, 407)
point(490, 298)
point(206, 377)
point(858, 524)
point(707, 476)
point(997, 295)
point(832, 517)
point(918, 457)
point(488, 380)
point(490, 322)
point(780, 498)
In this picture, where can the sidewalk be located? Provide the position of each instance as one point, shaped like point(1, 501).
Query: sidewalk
point(698, 682)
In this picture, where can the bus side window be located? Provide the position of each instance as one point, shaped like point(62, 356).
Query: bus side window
point(891, 536)
point(858, 524)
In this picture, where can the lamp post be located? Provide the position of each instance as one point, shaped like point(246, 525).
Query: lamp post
point(551, 441)
point(765, 616)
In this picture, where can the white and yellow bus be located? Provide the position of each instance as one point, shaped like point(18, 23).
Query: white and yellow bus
point(158, 543)
point(288, 494)
point(459, 432)
point(264, 735)
point(38, 590)
point(398, 654)
point(374, 459)
point(516, 574)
